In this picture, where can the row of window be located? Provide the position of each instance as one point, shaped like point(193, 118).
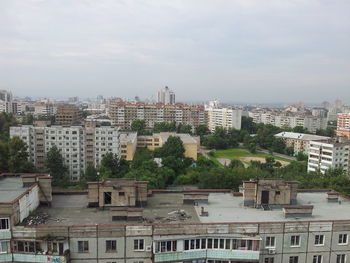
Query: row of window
point(341, 258)
point(270, 242)
point(220, 243)
point(111, 245)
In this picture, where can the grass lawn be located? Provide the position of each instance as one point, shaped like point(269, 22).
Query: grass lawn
point(236, 153)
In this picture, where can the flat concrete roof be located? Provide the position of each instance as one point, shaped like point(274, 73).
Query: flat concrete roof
point(224, 207)
point(11, 188)
point(161, 208)
point(169, 208)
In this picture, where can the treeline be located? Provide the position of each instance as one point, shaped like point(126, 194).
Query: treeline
point(13, 152)
point(254, 135)
point(141, 128)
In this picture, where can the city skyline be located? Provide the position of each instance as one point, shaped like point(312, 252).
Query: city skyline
point(240, 51)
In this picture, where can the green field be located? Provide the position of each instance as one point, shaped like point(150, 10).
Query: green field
point(236, 153)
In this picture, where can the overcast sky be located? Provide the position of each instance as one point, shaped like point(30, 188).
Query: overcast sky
point(233, 50)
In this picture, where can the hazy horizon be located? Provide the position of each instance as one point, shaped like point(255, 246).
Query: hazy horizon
point(244, 51)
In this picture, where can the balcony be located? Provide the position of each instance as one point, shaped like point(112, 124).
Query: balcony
point(37, 258)
point(208, 254)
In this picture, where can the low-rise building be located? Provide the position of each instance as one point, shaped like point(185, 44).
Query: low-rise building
point(128, 145)
point(299, 141)
point(309, 226)
point(151, 142)
point(332, 153)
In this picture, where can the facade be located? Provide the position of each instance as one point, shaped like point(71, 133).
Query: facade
point(332, 153)
point(224, 117)
point(166, 96)
point(343, 125)
point(128, 144)
point(6, 101)
point(123, 114)
point(79, 145)
point(299, 141)
point(289, 120)
point(151, 142)
point(220, 231)
point(68, 115)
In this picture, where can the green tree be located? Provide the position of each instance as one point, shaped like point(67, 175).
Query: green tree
point(201, 130)
point(164, 127)
point(18, 157)
point(172, 147)
point(235, 163)
point(90, 175)
point(112, 166)
point(184, 128)
point(55, 166)
point(139, 126)
point(6, 121)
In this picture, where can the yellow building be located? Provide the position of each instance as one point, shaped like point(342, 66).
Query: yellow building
point(190, 143)
point(128, 143)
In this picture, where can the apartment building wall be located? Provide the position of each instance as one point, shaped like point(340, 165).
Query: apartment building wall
point(123, 114)
point(343, 125)
point(283, 120)
point(126, 236)
point(224, 117)
point(68, 115)
point(78, 145)
point(326, 155)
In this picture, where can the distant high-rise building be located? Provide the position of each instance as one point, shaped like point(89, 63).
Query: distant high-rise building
point(6, 100)
point(166, 96)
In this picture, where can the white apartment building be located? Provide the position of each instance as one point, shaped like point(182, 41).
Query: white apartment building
point(78, 145)
point(283, 120)
point(6, 101)
point(166, 96)
point(226, 118)
point(328, 154)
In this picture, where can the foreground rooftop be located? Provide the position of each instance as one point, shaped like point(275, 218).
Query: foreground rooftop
point(168, 207)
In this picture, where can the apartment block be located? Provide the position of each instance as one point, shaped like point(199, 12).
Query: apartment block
point(224, 117)
point(79, 145)
point(343, 125)
point(289, 120)
point(299, 141)
point(332, 153)
point(309, 226)
point(151, 142)
point(68, 115)
point(123, 114)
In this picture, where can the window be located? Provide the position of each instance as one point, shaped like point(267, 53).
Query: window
point(270, 242)
point(343, 239)
point(166, 246)
point(293, 259)
point(139, 244)
point(295, 241)
point(3, 246)
point(107, 198)
point(4, 223)
point(319, 240)
point(269, 260)
point(111, 245)
point(317, 259)
point(83, 246)
point(341, 258)
point(23, 246)
point(121, 193)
